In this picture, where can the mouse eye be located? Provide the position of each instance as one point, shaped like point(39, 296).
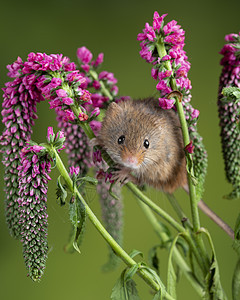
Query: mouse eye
point(146, 144)
point(121, 139)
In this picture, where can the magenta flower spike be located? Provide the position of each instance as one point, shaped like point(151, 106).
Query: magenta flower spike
point(162, 46)
point(228, 112)
point(32, 208)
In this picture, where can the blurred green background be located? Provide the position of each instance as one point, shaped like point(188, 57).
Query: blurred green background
point(57, 26)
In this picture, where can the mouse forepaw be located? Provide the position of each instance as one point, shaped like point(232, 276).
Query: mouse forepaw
point(123, 176)
point(94, 142)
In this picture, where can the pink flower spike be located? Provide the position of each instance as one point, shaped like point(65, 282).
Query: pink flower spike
point(84, 55)
point(190, 147)
point(166, 103)
point(61, 93)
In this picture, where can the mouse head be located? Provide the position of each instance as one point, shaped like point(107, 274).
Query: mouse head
point(131, 133)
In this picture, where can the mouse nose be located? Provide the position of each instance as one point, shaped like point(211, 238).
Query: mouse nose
point(132, 161)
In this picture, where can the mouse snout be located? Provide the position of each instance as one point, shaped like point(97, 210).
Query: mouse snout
point(130, 160)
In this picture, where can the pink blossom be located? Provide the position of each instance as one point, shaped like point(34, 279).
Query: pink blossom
point(83, 117)
point(163, 87)
point(86, 96)
point(85, 67)
point(68, 115)
point(55, 103)
point(97, 157)
point(157, 20)
point(99, 60)
point(55, 82)
point(154, 73)
point(166, 57)
point(70, 67)
point(61, 93)
point(162, 75)
point(76, 76)
point(190, 147)
point(95, 126)
point(74, 170)
point(84, 55)
point(195, 114)
point(67, 100)
point(60, 134)
point(96, 84)
point(95, 112)
point(50, 133)
point(166, 103)
point(231, 37)
point(171, 27)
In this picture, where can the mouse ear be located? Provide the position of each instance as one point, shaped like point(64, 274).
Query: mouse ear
point(114, 108)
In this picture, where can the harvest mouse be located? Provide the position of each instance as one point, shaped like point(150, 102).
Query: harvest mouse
point(145, 141)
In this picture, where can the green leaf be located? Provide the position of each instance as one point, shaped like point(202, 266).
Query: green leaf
point(171, 275)
point(236, 282)
point(134, 253)
point(89, 179)
point(124, 290)
point(131, 272)
point(78, 217)
point(61, 192)
point(236, 242)
point(213, 288)
point(189, 166)
point(153, 258)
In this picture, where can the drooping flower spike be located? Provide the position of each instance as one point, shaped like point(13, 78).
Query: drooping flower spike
point(32, 207)
point(228, 109)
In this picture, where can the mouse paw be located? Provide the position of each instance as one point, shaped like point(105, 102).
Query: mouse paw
point(93, 142)
point(122, 176)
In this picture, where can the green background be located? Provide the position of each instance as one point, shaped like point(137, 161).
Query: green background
point(57, 26)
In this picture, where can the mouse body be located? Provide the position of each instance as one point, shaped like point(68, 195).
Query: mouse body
point(145, 141)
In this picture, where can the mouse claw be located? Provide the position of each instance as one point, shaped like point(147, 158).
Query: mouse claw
point(121, 176)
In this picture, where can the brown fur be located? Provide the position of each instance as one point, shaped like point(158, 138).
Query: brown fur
point(162, 165)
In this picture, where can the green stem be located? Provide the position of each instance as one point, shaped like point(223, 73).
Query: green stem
point(176, 254)
point(192, 193)
point(173, 201)
point(155, 207)
point(104, 90)
point(114, 245)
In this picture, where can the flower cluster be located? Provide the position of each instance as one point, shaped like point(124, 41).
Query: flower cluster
point(173, 63)
point(228, 112)
point(103, 83)
point(162, 46)
point(32, 209)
